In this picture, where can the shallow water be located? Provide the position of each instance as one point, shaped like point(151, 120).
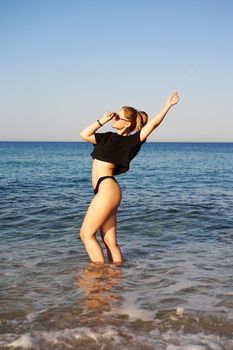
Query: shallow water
point(174, 290)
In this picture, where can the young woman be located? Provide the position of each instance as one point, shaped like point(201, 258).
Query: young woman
point(111, 156)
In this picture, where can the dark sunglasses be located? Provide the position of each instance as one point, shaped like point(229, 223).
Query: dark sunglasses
point(117, 117)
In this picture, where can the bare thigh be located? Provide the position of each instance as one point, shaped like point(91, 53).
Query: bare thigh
point(102, 206)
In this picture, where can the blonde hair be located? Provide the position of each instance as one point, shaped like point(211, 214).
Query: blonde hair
point(137, 118)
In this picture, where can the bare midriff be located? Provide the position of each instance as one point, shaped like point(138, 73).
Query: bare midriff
point(99, 169)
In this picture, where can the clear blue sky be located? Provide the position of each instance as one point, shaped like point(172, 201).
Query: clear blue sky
point(63, 63)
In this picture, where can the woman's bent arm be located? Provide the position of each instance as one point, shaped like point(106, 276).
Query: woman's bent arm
point(87, 134)
point(154, 123)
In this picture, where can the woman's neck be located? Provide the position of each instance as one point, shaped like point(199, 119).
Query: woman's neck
point(123, 132)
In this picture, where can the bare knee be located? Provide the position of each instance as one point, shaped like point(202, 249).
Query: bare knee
point(111, 244)
point(86, 234)
point(82, 235)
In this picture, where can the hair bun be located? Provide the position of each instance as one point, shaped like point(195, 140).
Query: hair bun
point(142, 117)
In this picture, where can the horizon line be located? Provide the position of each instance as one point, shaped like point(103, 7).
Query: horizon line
point(76, 141)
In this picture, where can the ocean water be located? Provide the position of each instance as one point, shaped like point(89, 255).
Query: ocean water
point(174, 290)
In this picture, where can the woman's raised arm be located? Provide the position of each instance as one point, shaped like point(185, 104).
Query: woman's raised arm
point(87, 134)
point(154, 122)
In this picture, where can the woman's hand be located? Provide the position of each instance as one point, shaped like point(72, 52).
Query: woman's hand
point(172, 100)
point(106, 117)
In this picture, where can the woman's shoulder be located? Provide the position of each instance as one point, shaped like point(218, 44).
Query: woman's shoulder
point(102, 136)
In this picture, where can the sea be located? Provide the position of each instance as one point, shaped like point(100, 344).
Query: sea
point(174, 290)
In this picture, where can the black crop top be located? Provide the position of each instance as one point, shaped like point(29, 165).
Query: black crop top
point(117, 149)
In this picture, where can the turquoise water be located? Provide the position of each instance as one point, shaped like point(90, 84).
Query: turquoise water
point(175, 228)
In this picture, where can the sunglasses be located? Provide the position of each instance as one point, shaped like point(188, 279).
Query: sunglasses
point(117, 117)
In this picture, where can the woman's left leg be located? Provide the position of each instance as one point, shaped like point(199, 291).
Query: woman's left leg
point(109, 236)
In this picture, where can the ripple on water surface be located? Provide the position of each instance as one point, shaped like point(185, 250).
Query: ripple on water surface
point(175, 229)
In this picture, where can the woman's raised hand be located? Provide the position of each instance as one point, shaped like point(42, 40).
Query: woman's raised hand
point(108, 116)
point(172, 99)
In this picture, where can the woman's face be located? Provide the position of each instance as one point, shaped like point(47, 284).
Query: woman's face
point(119, 121)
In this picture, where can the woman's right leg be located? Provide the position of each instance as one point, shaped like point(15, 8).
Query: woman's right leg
point(108, 233)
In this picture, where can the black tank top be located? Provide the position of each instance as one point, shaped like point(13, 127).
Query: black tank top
point(117, 149)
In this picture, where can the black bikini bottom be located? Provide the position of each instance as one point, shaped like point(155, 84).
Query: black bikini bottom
point(100, 180)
